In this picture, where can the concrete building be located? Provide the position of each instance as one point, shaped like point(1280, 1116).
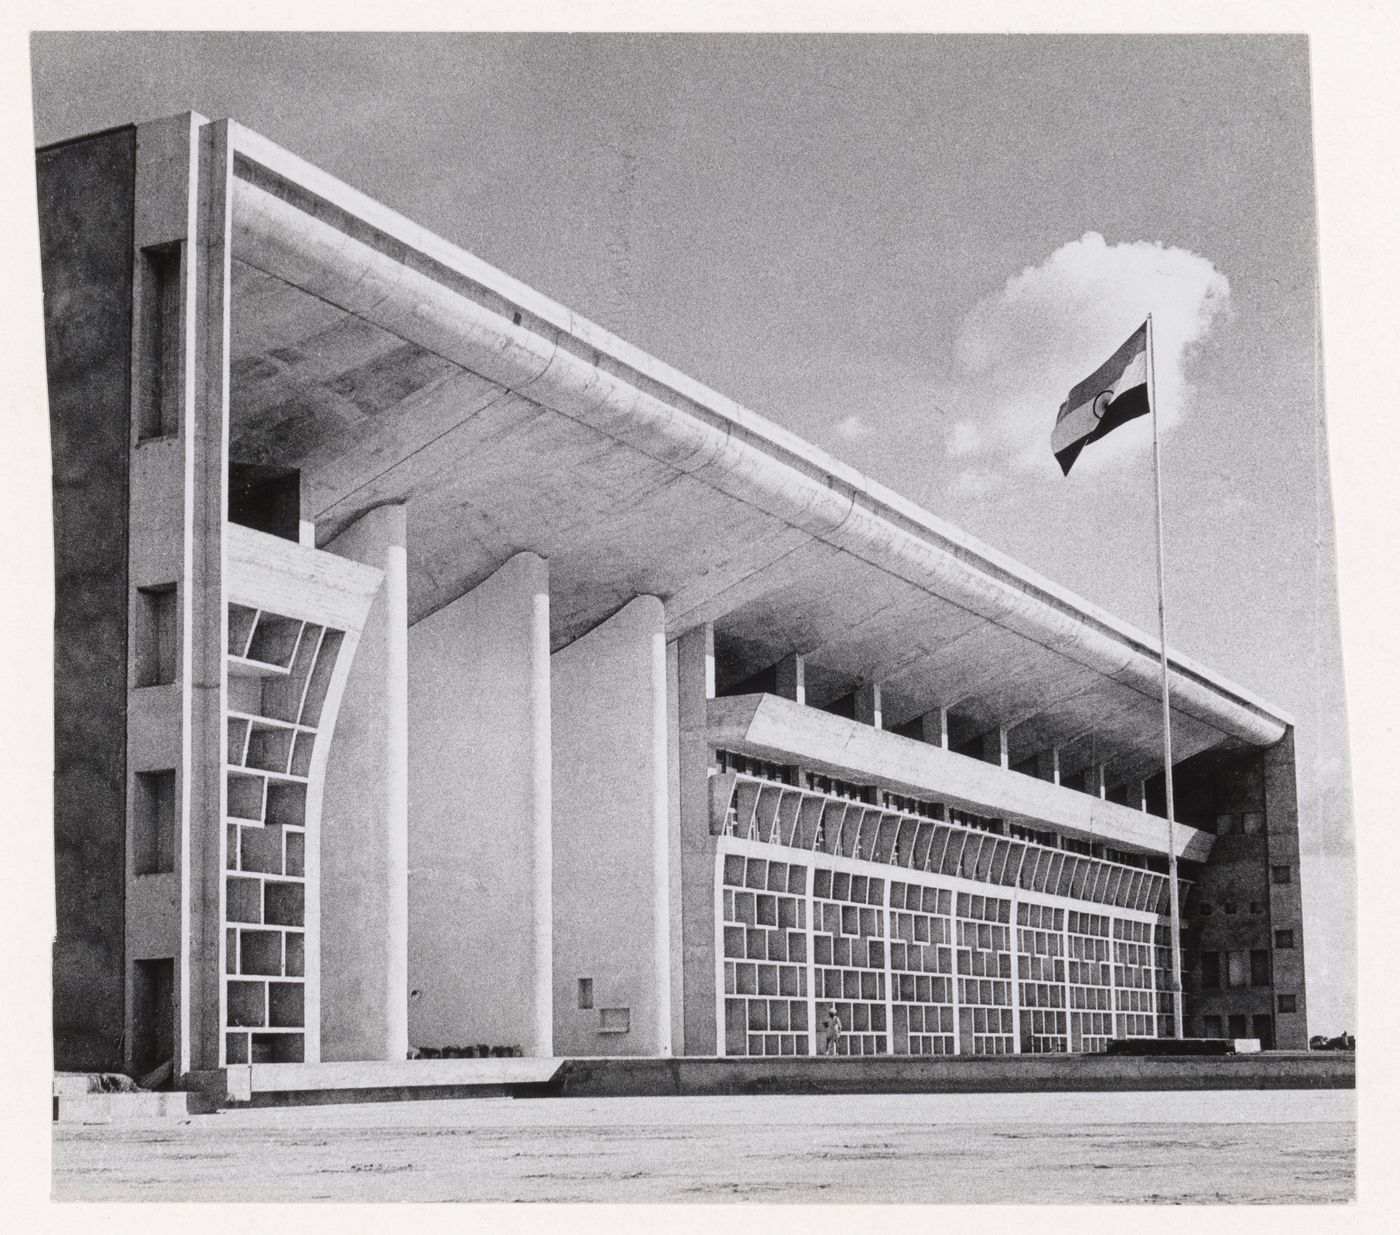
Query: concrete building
point(435, 668)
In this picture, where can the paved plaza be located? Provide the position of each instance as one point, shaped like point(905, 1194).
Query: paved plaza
point(1275, 1147)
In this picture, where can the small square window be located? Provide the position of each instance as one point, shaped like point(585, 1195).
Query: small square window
point(585, 992)
point(614, 1020)
point(1229, 906)
point(1283, 939)
point(1224, 825)
point(1253, 821)
point(1255, 907)
point(1207, 909)
point(1288, 1003)
point(1281, 874)
point(1213, 1027)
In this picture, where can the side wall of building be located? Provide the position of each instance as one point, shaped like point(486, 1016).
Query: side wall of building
point(85, 229)
point(1285, 895)
point(1244, 917)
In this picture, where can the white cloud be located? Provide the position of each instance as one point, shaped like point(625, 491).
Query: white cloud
point(1020, 350)
point(964, 439)
point(977, 482)
point(852, 429)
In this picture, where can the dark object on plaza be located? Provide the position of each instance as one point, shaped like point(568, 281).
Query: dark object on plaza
point(479, 1051)
point(1170, 1046)
point(1342, 1042)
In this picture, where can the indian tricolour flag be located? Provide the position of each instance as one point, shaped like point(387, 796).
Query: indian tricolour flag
point(1113, 394)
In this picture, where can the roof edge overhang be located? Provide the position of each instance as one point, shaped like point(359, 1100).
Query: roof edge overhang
point(295, 222)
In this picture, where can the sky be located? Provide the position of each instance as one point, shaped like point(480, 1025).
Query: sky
point(905, 249)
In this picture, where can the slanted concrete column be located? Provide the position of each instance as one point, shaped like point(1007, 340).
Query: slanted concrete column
point(995, 749)
point(1047, 765)
point(792, 678)
point(695, 686)
point(867, 705)
point(934, 727)
point(612, 901)
point(364, 833)
point(479, 790)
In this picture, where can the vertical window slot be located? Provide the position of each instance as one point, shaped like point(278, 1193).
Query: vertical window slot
point(158, 405)
point(157, 633)
point(154, 839)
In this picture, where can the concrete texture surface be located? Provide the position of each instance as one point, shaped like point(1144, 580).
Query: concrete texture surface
point(611, 859)
point(479, 800)
point(1202, 1147)
point(85, 191)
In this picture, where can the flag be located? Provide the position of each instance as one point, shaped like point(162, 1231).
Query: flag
point(1113, 394)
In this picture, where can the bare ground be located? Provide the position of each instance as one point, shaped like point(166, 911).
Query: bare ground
point(1276, 1147)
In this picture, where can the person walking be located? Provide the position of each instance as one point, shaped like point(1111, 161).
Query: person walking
point(831, 1031)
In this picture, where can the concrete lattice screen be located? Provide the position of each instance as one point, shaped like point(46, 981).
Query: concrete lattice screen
point(1068, 953)
point(280, 669)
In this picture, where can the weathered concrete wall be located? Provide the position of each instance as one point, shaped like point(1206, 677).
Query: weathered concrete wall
point(1286, 899)
point(586, 1078)
point(1236, 907)
point(479, 816)
point(85, 233)
point(612, 894)
point(364, 832)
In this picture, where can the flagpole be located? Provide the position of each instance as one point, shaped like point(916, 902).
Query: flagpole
point(1166, 696)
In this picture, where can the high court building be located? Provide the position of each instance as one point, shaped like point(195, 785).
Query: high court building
point(435, 668)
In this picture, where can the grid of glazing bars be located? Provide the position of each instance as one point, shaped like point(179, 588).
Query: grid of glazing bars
point(1089, 971)
point(984, 974)
point(1162, 940)
point(765, 957)
point(889, 966)
point(1040, 959)
point(921, 969)
point(1133, 979)
point(848, 953)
